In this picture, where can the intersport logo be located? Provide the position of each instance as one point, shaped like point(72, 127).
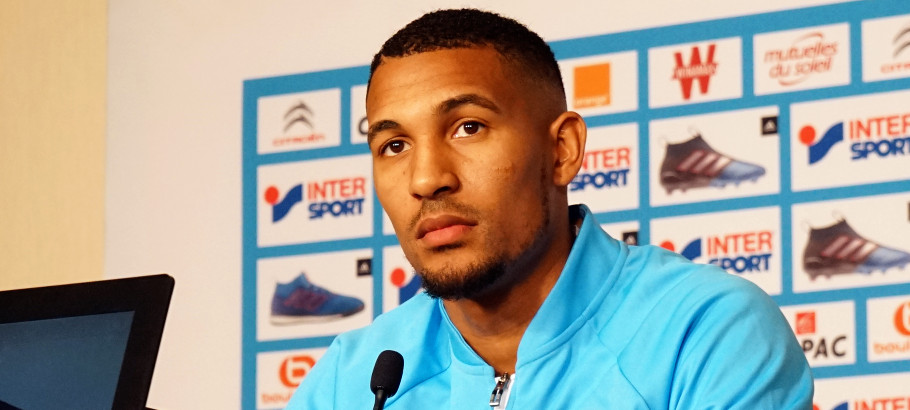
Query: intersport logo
point(603, 168)
point(336, 197)
point(699, 68)
point(735, 252)
point(872, 137)
point(406, 288)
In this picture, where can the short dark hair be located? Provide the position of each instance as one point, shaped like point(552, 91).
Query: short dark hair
point(463, 28)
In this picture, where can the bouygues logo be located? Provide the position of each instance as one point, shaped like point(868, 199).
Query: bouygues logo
point(809, 54)
point(603, 168)
point(871, 137)
point(700, 68)
point(902, 319)
point(739, 252)
point(335, 197)
point(294, 368)
point(406, 289)
point(592, 85)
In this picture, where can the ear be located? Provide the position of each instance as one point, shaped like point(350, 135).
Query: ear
point(569, 133)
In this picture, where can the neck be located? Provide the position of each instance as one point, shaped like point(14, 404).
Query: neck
point(494, 324)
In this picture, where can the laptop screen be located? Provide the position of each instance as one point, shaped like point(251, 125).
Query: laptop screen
point(76, 359)
point(82, 346)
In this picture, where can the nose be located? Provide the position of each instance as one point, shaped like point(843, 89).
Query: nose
point(432, 171)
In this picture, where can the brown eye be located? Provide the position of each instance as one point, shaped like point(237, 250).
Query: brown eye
point(467, 129)
point(393, 148)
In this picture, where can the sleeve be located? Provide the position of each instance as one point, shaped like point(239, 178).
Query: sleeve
point(740, 353)
point(317, 391)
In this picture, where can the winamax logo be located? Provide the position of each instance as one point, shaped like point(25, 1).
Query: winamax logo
point(815, 345)
point(337, 197)
point(739, 252)
point(592, 85)
point(406, 288)
point(809, 54)
point(699, 68)
point(870, 137)
point(603, 169)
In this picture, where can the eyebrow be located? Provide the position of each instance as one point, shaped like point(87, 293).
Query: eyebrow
point(466, 99)
point(443, 108)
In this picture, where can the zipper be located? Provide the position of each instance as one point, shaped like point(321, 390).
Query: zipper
point(496, 396)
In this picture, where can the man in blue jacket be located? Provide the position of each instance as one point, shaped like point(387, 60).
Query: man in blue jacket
point(529, 304)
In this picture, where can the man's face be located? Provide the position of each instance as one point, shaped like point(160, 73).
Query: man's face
point(462, 162)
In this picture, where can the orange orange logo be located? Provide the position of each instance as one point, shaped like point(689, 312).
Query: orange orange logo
point(294, 369)
point(902, 319)
point(592, 85)
point(805, 323)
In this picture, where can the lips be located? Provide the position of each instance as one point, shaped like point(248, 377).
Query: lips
point(443, 230)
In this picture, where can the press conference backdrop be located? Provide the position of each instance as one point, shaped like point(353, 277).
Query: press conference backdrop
point(811, 108)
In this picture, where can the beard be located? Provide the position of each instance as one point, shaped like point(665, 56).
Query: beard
point(491, 272)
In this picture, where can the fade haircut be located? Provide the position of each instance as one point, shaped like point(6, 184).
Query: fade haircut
point(520, 48)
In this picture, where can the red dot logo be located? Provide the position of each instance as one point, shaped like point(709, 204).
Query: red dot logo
point(294, 368)
point(668, 246)
point(807, 135)
point(271, 195)
point(902, 319)
point(397, 277)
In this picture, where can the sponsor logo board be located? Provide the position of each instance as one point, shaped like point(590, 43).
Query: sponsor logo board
point(714, 156)
point(399, 281)
point(851, 243)
point(875, 392)
point(626, 231)
point(359, 124)
point(279, 373)
point(826, 332)
point(290, 307)
point(886, 48)
point(608, 179)
point(802, 59)
point(849, 141)
point(315, 200)
point(695, 72)
point(743, 243)
point(299, 121)
point(601, 84)
point(888, 326)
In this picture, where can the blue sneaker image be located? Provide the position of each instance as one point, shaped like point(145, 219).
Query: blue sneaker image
point(838, 249)
point(694, 164)
point(301, 301)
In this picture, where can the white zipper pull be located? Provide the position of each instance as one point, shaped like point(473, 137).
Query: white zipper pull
point(496, 396)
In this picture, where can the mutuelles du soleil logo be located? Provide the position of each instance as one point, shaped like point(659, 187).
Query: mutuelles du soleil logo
point(872, 137)
point(335, 197)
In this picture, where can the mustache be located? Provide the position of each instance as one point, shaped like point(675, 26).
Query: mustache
point(443, 205)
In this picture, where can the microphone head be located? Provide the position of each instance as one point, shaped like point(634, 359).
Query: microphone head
point(387, 372)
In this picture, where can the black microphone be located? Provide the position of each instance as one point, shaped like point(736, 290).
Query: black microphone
point(386, 376)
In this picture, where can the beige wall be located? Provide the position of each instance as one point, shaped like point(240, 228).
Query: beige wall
point(52, 141)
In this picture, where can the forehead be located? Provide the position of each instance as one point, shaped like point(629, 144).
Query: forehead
point(408, 83)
